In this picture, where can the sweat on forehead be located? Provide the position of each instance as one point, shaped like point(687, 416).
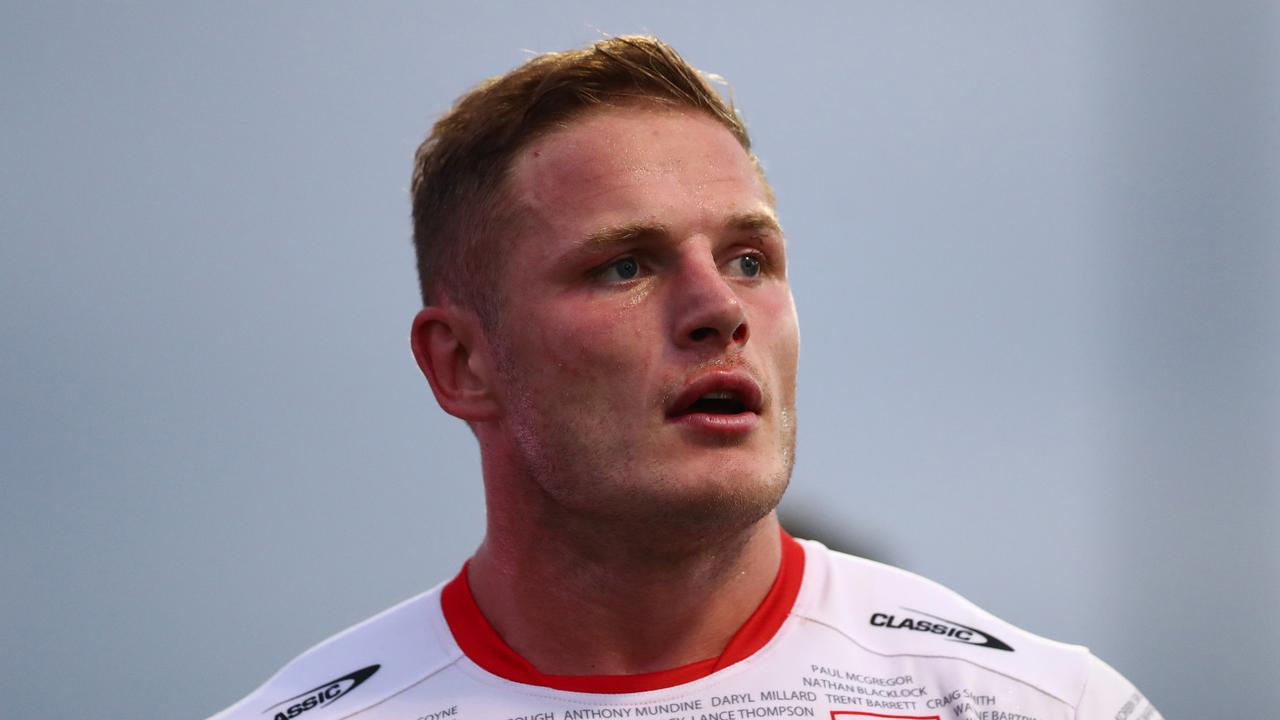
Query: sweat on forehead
point(633, 173)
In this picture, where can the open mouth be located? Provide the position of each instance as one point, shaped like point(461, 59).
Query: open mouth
point(717, 403)
point(720, 394)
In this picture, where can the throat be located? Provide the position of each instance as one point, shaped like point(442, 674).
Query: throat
point(598, 620)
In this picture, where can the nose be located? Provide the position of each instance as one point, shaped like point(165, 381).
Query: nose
point(708, 310)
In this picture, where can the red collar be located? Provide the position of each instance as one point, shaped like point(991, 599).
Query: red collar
point(481, 643)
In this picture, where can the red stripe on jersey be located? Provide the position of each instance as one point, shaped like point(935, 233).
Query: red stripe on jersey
point(482, 644)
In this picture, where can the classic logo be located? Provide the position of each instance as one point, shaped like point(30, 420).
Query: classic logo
point(322, 694)
point(949, 629)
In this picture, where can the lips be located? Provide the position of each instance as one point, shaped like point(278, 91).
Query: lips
point(720, 393)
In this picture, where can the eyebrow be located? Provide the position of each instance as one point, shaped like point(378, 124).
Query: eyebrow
point(631, 232)
point(754, 222)
point(621, 234)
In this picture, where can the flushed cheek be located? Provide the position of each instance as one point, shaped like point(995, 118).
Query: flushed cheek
point(595, 362)
point(782, 333)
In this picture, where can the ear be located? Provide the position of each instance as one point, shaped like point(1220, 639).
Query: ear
point(451, 350)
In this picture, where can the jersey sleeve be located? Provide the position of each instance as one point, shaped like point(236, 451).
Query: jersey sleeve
point(1109, 696)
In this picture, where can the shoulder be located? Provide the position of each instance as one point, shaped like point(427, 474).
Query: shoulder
point(892, 612)
point(355, 669)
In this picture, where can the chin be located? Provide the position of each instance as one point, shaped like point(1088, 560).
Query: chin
point(698, 507)
point(666, 497)
point(664, 514)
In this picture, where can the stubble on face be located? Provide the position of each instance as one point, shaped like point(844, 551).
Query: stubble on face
point(585, 393)
point(598, 489)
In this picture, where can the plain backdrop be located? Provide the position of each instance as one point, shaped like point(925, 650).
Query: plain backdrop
point(1035, 248)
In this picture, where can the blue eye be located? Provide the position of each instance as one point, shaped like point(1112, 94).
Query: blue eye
point(623, 269)
point(745, 266)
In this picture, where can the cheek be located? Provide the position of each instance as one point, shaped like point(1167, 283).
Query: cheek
point(781, 331)
point(778, 313)
point(582, 354)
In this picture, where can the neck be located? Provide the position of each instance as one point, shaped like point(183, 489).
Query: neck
point(573, 599)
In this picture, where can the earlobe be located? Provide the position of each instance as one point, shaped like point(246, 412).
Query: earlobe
point(445, 341)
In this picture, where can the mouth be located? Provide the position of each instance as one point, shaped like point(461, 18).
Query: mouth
point(718, 403)
point(722, 402)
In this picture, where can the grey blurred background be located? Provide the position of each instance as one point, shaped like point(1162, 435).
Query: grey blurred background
point(1035, 247)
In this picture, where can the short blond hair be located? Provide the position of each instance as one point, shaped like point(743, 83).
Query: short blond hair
point(460, 170)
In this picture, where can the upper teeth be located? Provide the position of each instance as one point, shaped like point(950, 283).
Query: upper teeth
point(720, 395)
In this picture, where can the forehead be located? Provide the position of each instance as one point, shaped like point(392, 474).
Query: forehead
point(635, 164)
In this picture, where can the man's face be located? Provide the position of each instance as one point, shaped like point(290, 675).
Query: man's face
point(647, 340)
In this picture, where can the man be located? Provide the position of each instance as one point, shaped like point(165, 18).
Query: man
point(606, 306)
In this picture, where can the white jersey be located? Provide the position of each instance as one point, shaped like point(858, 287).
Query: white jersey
point(837, 638)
